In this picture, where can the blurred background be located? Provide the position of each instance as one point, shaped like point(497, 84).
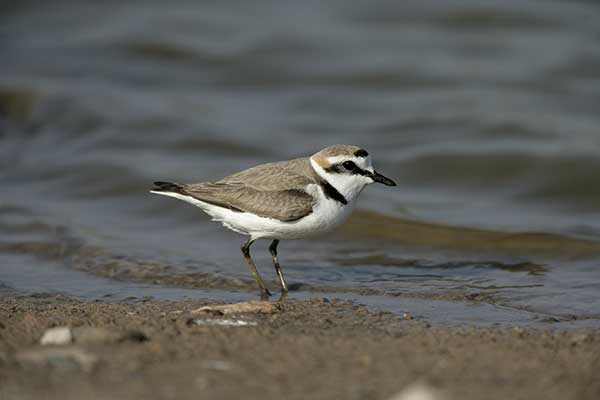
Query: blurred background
point(486, 114)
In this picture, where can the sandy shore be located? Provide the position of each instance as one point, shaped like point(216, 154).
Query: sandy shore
point(314, 349)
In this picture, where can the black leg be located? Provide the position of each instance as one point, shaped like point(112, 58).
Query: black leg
point(264, 292)
point(273, 250)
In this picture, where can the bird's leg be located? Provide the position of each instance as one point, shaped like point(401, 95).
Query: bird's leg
point(264, 292)
point(273, 250)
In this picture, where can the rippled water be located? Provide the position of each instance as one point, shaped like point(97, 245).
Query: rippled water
point(487, 114)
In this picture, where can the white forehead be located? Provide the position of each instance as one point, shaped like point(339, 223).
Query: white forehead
point(362, 162)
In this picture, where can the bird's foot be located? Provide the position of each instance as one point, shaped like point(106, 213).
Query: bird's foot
point(283, 296)
point(265, 294)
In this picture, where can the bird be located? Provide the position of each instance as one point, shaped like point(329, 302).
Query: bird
point(292, 199)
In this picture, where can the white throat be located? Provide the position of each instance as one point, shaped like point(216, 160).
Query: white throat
point(349, 186)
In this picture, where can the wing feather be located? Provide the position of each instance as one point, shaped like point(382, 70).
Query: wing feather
point(285, 175)
point(275, 190)
point(285, 205)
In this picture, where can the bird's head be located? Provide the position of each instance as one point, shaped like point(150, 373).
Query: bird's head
point(347, 168)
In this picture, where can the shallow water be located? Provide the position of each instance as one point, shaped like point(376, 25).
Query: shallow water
point(486, 115)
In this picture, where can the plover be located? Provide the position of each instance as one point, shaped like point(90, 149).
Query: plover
point(284, 200)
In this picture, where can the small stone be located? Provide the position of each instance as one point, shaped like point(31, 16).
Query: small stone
point(418, 391)
point(57, 336)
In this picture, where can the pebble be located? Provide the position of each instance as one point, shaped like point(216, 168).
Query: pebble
point(57, 336)
point(418, 391)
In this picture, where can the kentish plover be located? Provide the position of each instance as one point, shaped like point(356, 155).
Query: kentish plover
point(284, 200)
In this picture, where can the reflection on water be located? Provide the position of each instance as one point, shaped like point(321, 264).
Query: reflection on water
point(486, 114)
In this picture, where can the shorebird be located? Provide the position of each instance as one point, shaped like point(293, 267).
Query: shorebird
point(291, 199)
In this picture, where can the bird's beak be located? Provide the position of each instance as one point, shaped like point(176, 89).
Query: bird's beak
point(377, 177)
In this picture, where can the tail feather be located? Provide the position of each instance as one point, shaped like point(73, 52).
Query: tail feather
point(180, 192)
point(167, 187)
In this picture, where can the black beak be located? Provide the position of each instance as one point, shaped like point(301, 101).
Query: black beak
point(377, 177)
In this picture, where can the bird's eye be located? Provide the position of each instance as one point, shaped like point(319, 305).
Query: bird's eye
point(349, 165)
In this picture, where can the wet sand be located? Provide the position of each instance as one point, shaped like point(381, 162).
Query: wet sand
point(317, 349)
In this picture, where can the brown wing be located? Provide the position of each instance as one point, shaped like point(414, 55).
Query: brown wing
point(285, 175)
point(286, 205)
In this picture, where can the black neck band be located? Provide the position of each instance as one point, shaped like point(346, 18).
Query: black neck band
point(331, 192)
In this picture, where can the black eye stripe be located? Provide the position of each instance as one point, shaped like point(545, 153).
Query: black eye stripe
point(335, 169)
point(339, 169)
point(359, 171)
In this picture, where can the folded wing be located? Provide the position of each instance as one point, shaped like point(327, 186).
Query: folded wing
point(286, 205)
point(276, 190)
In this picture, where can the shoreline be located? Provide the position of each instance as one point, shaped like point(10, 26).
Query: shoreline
point(315, 348)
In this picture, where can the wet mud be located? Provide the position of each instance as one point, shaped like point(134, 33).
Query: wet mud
point(321, 348)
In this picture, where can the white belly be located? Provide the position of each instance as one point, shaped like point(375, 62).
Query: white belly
point(327, 215)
